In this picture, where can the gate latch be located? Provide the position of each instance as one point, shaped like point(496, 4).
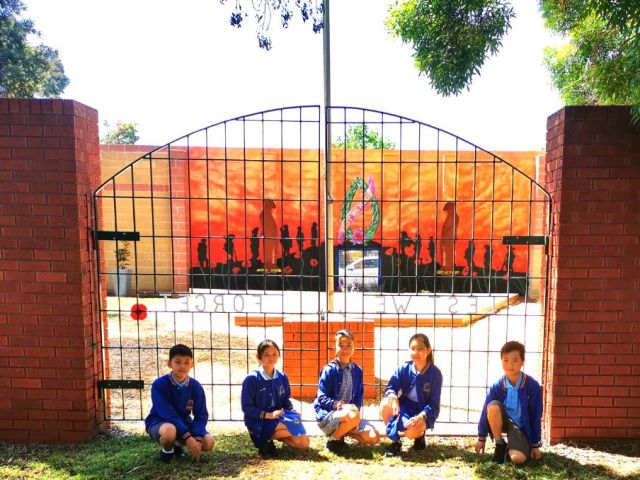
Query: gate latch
point(527, 240)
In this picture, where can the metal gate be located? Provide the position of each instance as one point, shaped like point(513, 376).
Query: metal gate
point(236, 232)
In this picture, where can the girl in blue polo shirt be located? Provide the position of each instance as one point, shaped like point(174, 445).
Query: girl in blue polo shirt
point(411, 402)
point(268, 411)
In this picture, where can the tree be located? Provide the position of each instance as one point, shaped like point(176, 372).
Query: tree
point(310, 10)
point(600, 65)
point(26, 70)
point(121, 134)
point(360, 136)
point(451, 38)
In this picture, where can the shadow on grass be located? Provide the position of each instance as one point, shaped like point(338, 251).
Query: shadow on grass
point(136, 457)
point(551, 466)
point(628, 448)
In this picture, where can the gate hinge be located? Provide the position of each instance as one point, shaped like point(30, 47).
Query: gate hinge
point(123, 384)
point(113, 235)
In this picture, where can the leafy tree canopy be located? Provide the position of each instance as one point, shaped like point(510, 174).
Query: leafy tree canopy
point(361, 136)
point(26, 70)
point(310, 10)
point(600, 63)
point(451, 39)
point(122, 134)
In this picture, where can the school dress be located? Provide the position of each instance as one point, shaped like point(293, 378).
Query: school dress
point(530, 400)
point(176, 404)
point(261, 395)
point(427, 396)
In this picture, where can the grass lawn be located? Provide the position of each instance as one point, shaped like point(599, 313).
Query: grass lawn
point(135, 457)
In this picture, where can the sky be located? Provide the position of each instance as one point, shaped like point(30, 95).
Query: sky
point(174, 67)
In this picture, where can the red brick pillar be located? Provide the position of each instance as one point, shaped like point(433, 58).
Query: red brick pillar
point(308, 346)
point(49, 325)
point(592, 376)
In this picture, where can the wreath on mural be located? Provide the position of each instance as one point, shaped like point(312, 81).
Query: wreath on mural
point(351, 212)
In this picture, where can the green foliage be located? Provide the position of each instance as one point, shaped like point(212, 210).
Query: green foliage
point(26, 70)
point(451, 39)
point(122, 255)
point(600, 65)
point(122, 134)
point(361, 136)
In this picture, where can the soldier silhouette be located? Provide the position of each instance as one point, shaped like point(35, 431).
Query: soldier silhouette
point(254, 245)
point(285, 240)
point(314, 235)
point(509, 258)
point(230, 249)
point(448, 237)
point(418, 247)
point(405, 242)
point(432, 250)
point(202, 254)
point(270, 234)
point(300, 239)
point(487, 260)
point(468, 255)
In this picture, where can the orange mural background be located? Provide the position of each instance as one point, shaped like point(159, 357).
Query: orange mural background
point(491, 198)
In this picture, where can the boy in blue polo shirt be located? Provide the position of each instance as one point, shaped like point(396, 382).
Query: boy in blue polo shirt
point(175, 398)
point(513, 406)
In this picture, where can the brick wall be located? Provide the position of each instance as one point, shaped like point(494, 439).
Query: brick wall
point(49, 326)
point(146, 178)
point(308, 346)
point(593, 333)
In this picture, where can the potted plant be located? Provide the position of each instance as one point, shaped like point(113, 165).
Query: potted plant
point(121, 276)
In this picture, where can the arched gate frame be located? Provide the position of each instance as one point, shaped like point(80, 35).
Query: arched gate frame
point(226, 236)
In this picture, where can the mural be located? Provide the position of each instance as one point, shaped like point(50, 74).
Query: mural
point(398, 226)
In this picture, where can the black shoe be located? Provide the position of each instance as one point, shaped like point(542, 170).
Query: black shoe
point(166, 457)
point(394, 449)
point(336, 446)
point(419, 444)
point(179, 453)
point(500, 452)
point(268, 449)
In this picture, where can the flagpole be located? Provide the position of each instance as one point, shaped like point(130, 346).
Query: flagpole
point(328, 200)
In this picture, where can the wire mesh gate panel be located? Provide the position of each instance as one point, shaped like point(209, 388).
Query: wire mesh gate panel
point(221, 239)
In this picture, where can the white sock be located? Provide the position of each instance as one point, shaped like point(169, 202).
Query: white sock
point(167, 451)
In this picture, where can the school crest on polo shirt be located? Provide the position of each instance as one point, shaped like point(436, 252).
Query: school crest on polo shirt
point(426, 388)
point(281, 391)
point(190, 405)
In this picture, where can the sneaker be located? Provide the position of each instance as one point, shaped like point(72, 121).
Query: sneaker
point(419, 444)
point(178, 452)
point(336, 446)
point(166, 457)
point(500, 452)
point(394, 449)
point(268, 449)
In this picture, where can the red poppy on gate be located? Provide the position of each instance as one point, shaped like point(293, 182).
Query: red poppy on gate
point(235, 270)
point(288, 270)
point(313, 262)
point(139, 311)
